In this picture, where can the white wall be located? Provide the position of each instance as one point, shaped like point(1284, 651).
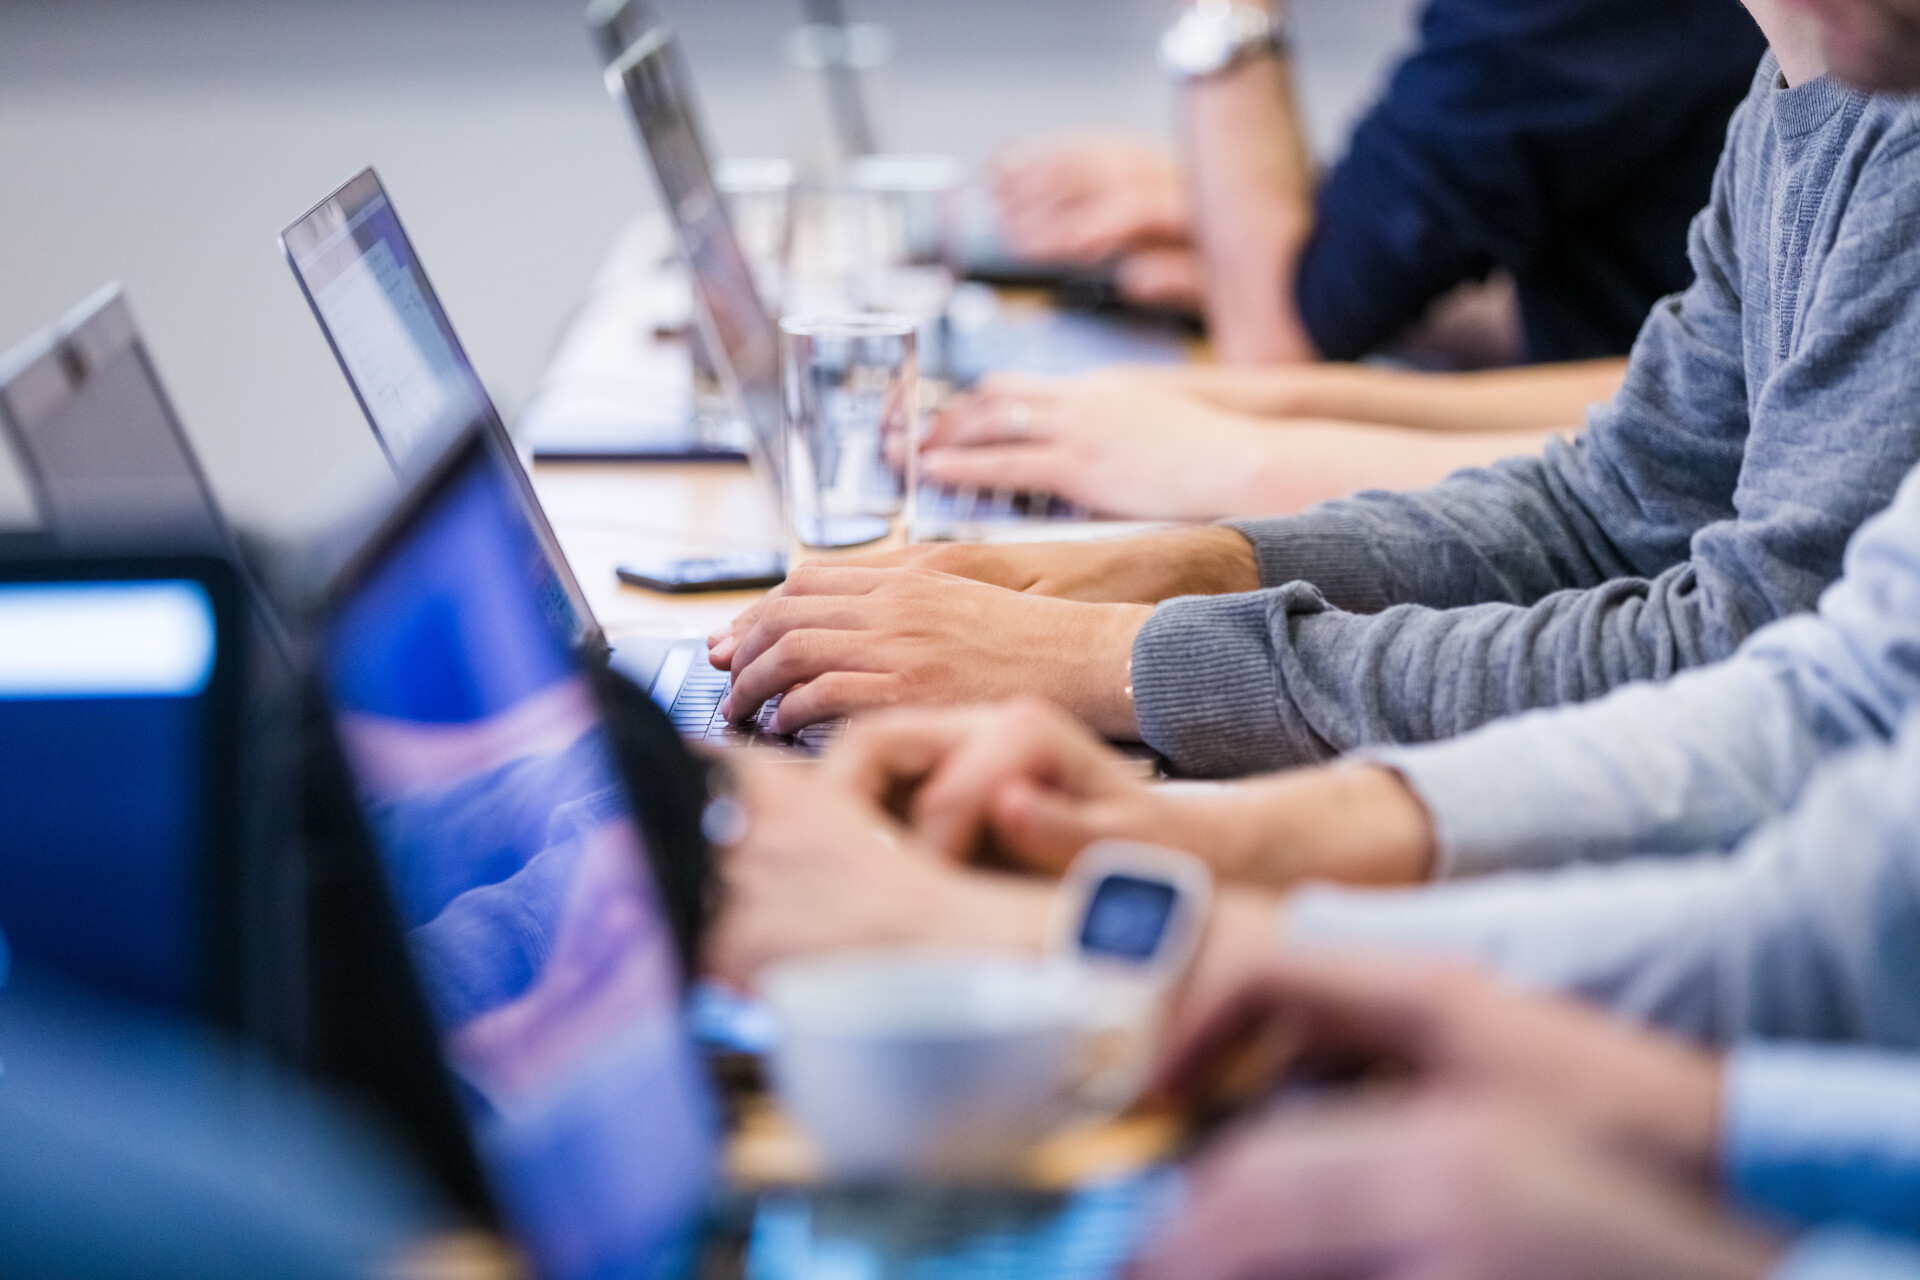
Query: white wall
point(164, 142)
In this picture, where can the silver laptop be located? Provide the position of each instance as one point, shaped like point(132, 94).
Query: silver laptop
point(412, 377)
point(102, 451)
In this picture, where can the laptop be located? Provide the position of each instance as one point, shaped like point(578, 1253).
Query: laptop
point(654, 82)
point(103, 453)
point(519, 868)
point(120, 778)
point(367, 287)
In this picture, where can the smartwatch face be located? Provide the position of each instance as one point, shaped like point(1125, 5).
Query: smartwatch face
point(1127, 917)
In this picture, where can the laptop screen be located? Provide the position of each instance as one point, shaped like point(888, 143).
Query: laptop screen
point(518, 871)
point(117, 742)
point(400, 354)
point(103, 453)
point(653, 79)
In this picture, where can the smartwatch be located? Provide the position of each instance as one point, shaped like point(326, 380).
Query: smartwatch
point(1128, 920)
point(1215, 35)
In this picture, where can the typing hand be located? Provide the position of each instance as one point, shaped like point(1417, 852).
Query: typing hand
point(1142, 570)
point(1087, 200)
point(838, 641)
point(1452, 1030)
point(1441, 1186)
point(1124, 445)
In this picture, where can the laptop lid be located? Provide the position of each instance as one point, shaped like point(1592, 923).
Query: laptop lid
point(652, 78)
point(519, 874)
point(101, 447)
point(120, 727)
point(380, 314)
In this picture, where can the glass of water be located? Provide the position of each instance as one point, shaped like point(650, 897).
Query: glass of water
point(852, 391)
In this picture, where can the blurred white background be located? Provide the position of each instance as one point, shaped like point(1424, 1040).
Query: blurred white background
point(165, 142)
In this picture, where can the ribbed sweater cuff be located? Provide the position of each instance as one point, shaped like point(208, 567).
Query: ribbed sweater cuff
point(1204, 685)
point(1322, 546)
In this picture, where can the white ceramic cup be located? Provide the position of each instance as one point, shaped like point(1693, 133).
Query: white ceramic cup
point(926, 1064)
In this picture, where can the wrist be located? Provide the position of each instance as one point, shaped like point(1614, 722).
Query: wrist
point(1100, 679)
point(1357, 824)
point(1210, 560)
point(992, 911)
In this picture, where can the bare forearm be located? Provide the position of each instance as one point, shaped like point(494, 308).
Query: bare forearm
point(1357, 824)
point(1539, 398)
point(1250, 186)
point(1318, 461)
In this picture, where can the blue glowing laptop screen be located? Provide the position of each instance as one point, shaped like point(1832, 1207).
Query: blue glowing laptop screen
point(518, 870)
point(106, 743)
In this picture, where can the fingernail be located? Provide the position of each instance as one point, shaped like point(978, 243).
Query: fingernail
point(726, 707)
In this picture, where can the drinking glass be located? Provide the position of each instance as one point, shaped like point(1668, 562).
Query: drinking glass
point(852, 392)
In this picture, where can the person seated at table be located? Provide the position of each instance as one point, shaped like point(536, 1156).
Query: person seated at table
point(1516, 1134)
point(1483, 151)
point(1566, 144)
point(1767, 412)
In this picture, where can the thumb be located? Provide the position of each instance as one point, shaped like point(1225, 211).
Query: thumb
point(1041, 829)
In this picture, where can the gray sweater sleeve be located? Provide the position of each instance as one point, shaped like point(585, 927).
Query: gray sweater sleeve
point(1810, 930)
point(1658, 541)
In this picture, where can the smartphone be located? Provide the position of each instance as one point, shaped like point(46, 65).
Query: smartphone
point(735, 571)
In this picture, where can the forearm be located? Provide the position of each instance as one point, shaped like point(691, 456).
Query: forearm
point(1251, 189)
point(1542, 397)
point(1314, 462)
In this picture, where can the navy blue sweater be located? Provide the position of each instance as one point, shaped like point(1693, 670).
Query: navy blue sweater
point(1568, 141)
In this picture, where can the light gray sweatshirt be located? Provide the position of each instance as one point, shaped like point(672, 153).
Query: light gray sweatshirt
point(1767, 411)
point(1800, 755)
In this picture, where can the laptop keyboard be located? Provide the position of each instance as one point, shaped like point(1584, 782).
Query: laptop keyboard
point(696, 714)
point(961, 1234)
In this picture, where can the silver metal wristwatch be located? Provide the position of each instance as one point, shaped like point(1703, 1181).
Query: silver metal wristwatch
point(1216, 35)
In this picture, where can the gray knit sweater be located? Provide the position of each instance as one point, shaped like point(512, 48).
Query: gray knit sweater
point(1767, 412)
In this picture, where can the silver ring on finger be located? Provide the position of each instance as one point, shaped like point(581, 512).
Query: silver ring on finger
point(1019, 419)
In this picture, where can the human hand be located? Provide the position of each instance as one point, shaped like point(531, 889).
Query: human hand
point(1458, 1032)
point(1120, 444)
point(1437, 1186)
point(838, 640)
point(1021, 784)
point(1087, 200)
point(820, 869)
point(1141, 570)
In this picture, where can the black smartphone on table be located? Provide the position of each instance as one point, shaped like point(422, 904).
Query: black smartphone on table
point(684, 575)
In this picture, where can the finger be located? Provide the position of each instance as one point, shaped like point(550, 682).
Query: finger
point(795, 657)
point(1038, 828)
point(1043, 467)
point(1026, 740)
point(788, 614)
point(1339, 1000)
point(884, 753)
point(838, 693)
